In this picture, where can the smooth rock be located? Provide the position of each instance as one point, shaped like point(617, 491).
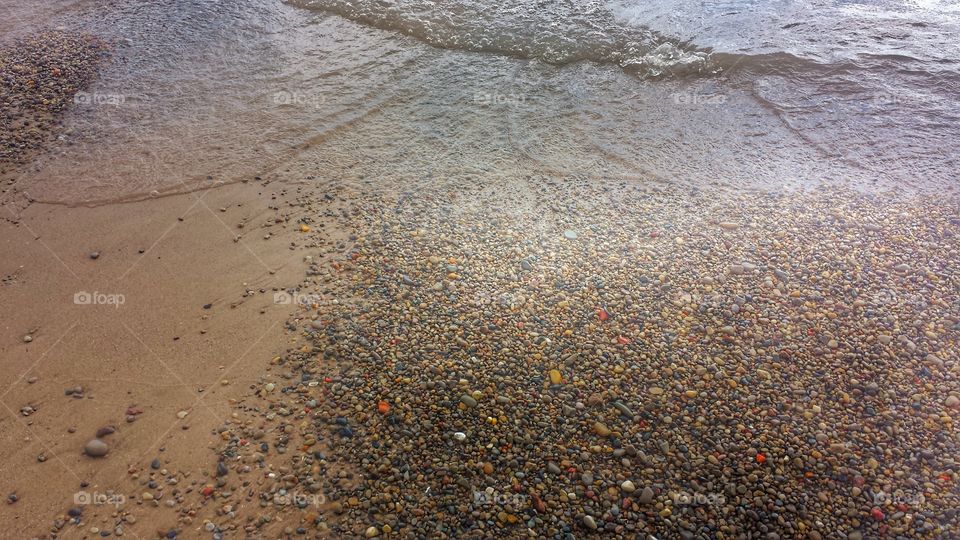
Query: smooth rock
point(96, 448)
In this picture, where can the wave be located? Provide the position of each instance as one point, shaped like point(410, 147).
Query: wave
point(554, 32)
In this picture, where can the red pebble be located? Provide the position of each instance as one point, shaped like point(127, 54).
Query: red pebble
point(877, 514)
point(207, 491)
point(761, 458)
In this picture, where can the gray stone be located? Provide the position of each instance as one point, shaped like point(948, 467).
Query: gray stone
point(96, 448)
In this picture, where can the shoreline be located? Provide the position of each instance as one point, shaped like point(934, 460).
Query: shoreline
point(503, 340)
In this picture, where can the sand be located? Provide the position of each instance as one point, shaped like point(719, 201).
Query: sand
point(158, 351)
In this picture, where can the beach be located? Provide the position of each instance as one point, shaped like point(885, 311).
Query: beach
point(372, 276)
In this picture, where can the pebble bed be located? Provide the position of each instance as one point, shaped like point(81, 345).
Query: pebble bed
point(41, 75)
point(538, 358)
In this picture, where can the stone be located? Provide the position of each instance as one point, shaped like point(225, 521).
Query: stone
point(600, 429)
point(589, 522)
point(628, 486)
point(96, 448)
point(646, 495)
point(623, 409)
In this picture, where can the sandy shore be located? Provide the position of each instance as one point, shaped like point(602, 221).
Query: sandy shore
point(511, 357)
point(169, 317)
point(510, 351)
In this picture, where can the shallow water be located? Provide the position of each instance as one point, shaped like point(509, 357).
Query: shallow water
point(733, 93)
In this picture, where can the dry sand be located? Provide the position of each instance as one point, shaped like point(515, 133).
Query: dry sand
point(160, 351)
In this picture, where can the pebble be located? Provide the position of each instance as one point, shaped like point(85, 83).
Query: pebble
point(96, 448)
point(623, 409)
point(43, 73)
point(610, 370)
